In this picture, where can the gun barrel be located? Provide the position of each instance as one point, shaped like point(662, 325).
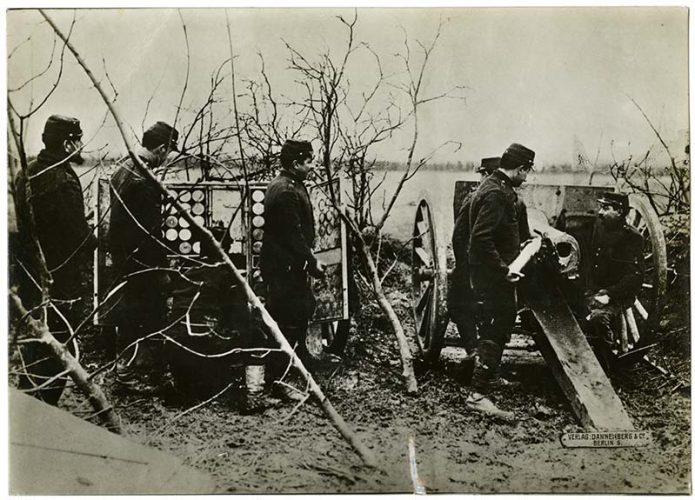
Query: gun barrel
point(527, 253)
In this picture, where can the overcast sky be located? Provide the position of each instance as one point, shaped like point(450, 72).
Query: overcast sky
point(542, 77)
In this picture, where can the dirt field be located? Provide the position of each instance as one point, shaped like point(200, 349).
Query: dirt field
point(291, 451)
point(297, 450)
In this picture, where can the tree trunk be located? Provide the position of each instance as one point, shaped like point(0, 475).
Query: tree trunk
point(387, 308)
point(38, 330)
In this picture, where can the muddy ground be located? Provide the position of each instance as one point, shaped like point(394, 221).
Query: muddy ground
point(292, 450)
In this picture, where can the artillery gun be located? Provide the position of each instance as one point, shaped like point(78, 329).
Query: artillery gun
point(565, 216)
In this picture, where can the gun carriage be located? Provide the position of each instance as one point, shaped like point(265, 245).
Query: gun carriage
point(565, 216)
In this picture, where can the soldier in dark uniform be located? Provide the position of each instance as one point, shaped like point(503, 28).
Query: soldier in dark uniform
point(50, 208)
point(615, 274)
point(287, 259)
point(460, 294)
point(137, 249)
point(495, 241)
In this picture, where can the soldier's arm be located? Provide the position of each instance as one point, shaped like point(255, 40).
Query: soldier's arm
point(291, 231)
point(142, 202)
point(630, 262)
point(482, 242)
point(65, 204)
point(82, 227)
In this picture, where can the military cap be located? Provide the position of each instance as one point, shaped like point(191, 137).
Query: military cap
point(295, 150)
point(620, 201)
point(488, 165)
point(161, 133)
point(517, 155)
point(62, 127)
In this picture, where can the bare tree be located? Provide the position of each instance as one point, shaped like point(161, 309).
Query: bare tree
point(27, 327)
point(348, 133)
point(210, 240)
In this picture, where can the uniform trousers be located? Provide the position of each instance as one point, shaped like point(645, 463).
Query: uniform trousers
point(496, 318)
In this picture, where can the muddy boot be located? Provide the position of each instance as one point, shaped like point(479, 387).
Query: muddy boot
point(479, 403)
point(326, 362)
point(465, 372)
point(502, 383)
point(285, 393)
point(487, 360)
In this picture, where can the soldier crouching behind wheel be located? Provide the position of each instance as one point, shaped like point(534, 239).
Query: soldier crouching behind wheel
point(615, 274)
point(495, 241)
point(287, 259)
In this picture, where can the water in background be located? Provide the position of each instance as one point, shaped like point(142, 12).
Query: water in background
point(438, 184)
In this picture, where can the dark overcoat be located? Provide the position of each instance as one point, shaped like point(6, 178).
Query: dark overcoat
point(617, 263)
point(60, 224)
point(286, 255)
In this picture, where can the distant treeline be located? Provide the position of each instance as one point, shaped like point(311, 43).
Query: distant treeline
point(382, 165)
point(469, 166)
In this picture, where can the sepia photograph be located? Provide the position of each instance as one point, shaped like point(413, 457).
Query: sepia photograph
point(317, 250)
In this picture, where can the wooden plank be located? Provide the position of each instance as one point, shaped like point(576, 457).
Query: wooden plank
point(330, 257)
point(55, 453)
point(641, 310)
point(575, 366)
point(424, 256)
point(632, 323)
point(624, 342)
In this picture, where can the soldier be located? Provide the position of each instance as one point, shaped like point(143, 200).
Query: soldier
point(139, 254)
point(287, 259)
point(460, 295)
point(615, 274)
point(495, 240)
point(50, 208)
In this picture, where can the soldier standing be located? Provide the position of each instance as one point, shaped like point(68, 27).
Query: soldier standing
point(139, 255)
point(495, 241)
point(287, 259)
point(616, 272)
point(460, 295)
point(50, 210)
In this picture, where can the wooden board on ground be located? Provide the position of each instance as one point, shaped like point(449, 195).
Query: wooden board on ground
point(576, 368)
point(55, 453)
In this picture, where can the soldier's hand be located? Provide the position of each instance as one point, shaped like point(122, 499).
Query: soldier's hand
point(320, 269)
point(513, 277)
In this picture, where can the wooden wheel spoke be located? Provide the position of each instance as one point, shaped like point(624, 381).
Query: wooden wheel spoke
point(424, 299)
point(638, 219)
point(422, 228)
point(424, 257)
point(424, 320)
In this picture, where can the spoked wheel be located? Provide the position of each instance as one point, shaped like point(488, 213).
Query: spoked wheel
point(640, 321)
point(429, 283)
